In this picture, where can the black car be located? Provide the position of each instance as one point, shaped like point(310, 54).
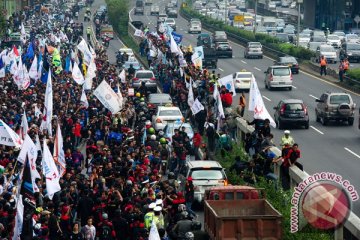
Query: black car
point(172, 12)
point(351, 51)
point(291, 112)
point(289, 61)
point(204, 39)
point(210, 58)
point(223, 49)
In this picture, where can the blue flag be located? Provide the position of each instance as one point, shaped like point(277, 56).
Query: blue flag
point(67, 63)
point(177, 37)
point(30, 52)
point(144, 137)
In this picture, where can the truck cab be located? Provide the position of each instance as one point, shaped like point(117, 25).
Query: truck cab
point(210, 58)
point(139, 7)
point(233, 193)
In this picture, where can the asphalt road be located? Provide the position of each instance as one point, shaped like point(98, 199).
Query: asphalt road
point(331, 148)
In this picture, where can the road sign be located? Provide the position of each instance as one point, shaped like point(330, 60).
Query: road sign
point(357, 19)
point(239, 18)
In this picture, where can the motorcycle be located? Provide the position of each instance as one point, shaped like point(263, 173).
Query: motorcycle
point(106, 41)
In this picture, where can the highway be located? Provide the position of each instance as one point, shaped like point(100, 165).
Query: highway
point(331, 148)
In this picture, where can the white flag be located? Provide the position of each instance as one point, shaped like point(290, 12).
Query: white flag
point(23, 33)
point(14, 66)
point(196, 60)
point(26, 80)
point(83, 47)
point(92, 52)
point(173, 45)
point(37, 111)
point(220, 107)
point(24, 127)
point(71, 68)
point(122, 76)
point(190, 99)
point(257, 105)
point(200, 51)
point(8, 137)
point(2, 72)
point(50, 172)
point(90, 74)
point(108, 97)
point(40, 69)
point(37, 143)
point(19, 218)
point(120, 96)
point(228, 82)
point(84, 100)
point(33, 72)
point(154, 234)
point(59, 155)
point(196, 107)
point(48, 109)
point(77, 75)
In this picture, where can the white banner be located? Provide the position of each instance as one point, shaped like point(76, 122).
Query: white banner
point(28, 148)
point(138, 33)
point(190, 99)
point(108, 97)
point(122, 76)
point(59, 155)
point(173, 45)
point(77, 75)
point(228, 82)
point(197, 107)
point(48, 109)
point(24, 127)
point(8, 137)
point(83, 47)
point(196, 60)
point(200, 51)
point(50, 172)
point(154, 234)
point(33, 72)
point(84, 100)
point(19, 218)
point(2, 72)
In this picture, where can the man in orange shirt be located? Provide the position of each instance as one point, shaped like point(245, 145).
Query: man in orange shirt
point(323, 64)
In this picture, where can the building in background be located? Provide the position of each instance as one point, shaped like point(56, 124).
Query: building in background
point(332, 14)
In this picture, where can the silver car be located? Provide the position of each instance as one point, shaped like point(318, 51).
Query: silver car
point(147, 77)
point(278, 77)
point(253, 49)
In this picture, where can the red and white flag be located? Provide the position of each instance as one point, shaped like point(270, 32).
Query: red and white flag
point(24, 127)
point(59, 155)
point(48, 109)
point(50, 172)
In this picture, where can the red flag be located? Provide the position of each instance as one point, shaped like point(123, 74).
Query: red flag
point(16, 52)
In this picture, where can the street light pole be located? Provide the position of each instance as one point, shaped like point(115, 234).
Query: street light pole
point(256, 5)
point(298, 26)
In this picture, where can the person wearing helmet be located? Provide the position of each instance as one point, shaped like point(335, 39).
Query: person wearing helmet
point(106, 228)
point(189, 236)
point(198, 233)
point(182, 227)
point(286, 139)
point(138, 95)
point(163, 140)
point(151, 130)
point(153, 143)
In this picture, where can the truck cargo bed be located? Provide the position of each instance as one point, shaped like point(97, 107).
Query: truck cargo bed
point(242, 220)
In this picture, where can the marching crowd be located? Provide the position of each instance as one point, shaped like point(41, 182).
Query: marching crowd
point(113, 180)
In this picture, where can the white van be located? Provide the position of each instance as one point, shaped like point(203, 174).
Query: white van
point(278, 77)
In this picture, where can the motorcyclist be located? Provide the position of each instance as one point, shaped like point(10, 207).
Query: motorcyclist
point(182, 227)
point(198, 233)
point(88, 32)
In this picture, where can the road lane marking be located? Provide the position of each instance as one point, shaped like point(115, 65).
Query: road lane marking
point(356, 155)
point(257, 69)
point(221, 69)
point(267, 98)
point(243, 61)
point(317, 130)
point(313, 96)
point(294, 87)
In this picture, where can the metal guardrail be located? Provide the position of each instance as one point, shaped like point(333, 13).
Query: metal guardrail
point(296, 176)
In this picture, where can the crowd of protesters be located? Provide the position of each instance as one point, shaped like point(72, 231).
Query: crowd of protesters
point(115, 185)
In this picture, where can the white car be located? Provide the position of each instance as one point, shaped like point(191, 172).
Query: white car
point(128, 51)
point(195, 27)
point(165, 115)
point(329, 52)
point(242, 80)
point(278, 77)
point(334, 40)
point(352, 38)
point(304, 37)
point(341, 34)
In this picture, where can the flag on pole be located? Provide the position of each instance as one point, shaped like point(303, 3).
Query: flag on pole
point(18, 219)
point(37, 143)
point(59, 155)
point(33, 71)
point(2, 72)
point(48, 109)
point(83, 99)
point(256, 104)
point(121, 99)
point(122, 76)
point(190, 99)
point(173, 45)
point(77, 75)
point(154, 234)
point(8, 137)
point(228, 82)
point(50, 172)
point(24, 127)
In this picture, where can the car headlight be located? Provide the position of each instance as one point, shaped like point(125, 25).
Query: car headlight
point(349, 53)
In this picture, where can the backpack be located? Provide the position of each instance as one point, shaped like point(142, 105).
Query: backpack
point(105, 233)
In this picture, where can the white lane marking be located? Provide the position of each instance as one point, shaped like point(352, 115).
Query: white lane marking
point(243, 61)
point(356, 155)
point(267, 98)
point(317, 130)
point(221, 69)
point(294, 87)
point(257, 69)
point(130, 18)
point(313, 96)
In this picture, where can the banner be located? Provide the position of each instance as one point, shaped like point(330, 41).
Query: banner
point(83, 99)
point(33, 72)
point(122, 76)
point(228, 82)
point(190, 99)
point(138, 33)
point(177, 37)
point(196, 60)
point(50, 172)
point(256, 104)
point(28, 149)
point(77, 75)
point(108, 97)
point(59, 155)
point(200, 51)
point(84, 49)
point(197, 107)
point(18, 218)
point(48, 109)
point(2, 72)
point(24, 127)
point(8, 137)
point(173, 45)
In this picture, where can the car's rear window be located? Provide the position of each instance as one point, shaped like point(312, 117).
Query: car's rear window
point(255, 45)
point(207, 174)
point(144, 75)
point(170, 113)
point(338, 99)
point(281, 71)
point(294, 107)
point(244, 75)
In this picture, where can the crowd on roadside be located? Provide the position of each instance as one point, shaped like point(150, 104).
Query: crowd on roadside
point(114, 185)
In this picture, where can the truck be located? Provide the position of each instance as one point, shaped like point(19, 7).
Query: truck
point(269, 23)
point(139, 7)
point(210, 58)
point(241, 214)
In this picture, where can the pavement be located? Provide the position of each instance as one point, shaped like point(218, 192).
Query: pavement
point(333, 148)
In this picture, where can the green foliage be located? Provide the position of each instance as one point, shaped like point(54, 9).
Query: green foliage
point(266, 40)
point(118, 11)
point(2, 24)
point(278, 198)
point(354, 73)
